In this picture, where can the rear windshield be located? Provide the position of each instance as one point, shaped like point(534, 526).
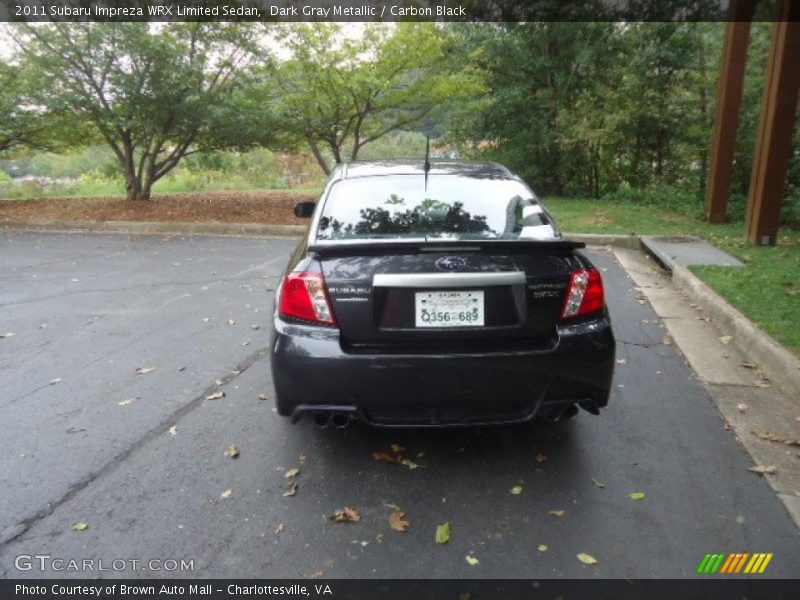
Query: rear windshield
point(452, 207)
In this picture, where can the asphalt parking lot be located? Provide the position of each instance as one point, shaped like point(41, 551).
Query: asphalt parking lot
point(140, 458)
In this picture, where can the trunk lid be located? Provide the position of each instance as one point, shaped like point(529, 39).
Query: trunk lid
point(387, 297)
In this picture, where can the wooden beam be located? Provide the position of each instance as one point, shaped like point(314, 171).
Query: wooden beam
point(774, 142)
point(729, 100)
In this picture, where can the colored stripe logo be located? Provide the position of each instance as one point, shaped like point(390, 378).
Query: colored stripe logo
point(734, 563)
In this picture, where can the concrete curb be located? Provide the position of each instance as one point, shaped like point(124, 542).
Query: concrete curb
point(254, 229)
point(598, 239)
point(155, 227)
point(782, 367)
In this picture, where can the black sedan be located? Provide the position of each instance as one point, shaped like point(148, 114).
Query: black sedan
point(437, 295)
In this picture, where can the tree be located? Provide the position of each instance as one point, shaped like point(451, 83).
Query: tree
point(21, 125)
point(154, 94)
point(338, 93)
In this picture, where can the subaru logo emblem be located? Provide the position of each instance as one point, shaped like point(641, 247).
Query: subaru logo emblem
point(450, 263)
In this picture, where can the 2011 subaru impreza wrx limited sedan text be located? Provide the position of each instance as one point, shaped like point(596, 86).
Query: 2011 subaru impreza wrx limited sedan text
point(437, 295)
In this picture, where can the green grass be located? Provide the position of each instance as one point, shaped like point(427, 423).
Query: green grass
point(766, 289)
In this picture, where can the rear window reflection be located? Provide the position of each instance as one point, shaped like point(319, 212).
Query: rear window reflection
point(448, 207)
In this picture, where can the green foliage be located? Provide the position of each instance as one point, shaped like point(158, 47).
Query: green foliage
point(92, 172)
point(620, 109)
point(152, 94)
point(338, 93)
point(21, 124)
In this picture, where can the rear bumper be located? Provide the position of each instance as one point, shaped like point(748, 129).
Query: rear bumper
point(311, 372)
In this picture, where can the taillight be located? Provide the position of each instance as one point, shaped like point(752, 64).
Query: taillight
point(304, 296)
point(584, 295)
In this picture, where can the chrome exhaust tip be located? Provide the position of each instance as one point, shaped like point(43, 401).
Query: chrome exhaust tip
point(570, 411)
point(340, 420)
point(321, 419)
point(553, 415)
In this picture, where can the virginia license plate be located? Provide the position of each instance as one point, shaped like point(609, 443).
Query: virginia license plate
point(449, 309)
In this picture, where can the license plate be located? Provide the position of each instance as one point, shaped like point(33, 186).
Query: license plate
point(449, 309)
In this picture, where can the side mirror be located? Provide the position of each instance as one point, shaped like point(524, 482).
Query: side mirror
point(303, 210)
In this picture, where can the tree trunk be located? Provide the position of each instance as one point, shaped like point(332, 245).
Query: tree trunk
point(318, 155)
point(147, 186)
point(133, 186)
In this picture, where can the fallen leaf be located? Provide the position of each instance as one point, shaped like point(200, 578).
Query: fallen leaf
point(291, 490)
point(587, 559)
point(346, 515)
point(472, 560)
point(226, 494)
point(598, 483)
point(397, 448)
point(232, 451)
point(770, 436)
point(748, 364)
point(740, 520)
point(540, 458)
point(621, 361)
point(216, 395)
point(55, 381)
point(80, 526)
point(763, 469)
point(293, 472)
point(667, 341)
point(279, 528)
point(542, 548)
point(725, 339)
point(173, 430)
point(560, 512)
point(741, 407)
point(379, 538)
point(763, 383)
point(317, 575)
point(637, 496)
point(385, 457)
point(302, 458)
point(127, 402)
point(407, 462)
point(394, 507)
point(516, 490)
point(443, 533)
point(144, 370)
point(398, 521)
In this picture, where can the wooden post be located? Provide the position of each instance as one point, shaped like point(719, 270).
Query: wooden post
point(729, 100)
point(774, 142)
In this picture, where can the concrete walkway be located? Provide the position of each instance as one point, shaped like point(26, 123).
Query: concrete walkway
point(686, 250)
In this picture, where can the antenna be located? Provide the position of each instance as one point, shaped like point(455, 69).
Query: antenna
point(427, 159)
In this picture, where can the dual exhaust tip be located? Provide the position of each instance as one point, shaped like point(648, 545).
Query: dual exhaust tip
point(554, 415)
point(339, 420)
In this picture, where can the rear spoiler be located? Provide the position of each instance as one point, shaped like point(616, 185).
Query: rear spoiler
point(372, 246)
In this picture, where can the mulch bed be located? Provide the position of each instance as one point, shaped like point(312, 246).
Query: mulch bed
point(204, 207)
